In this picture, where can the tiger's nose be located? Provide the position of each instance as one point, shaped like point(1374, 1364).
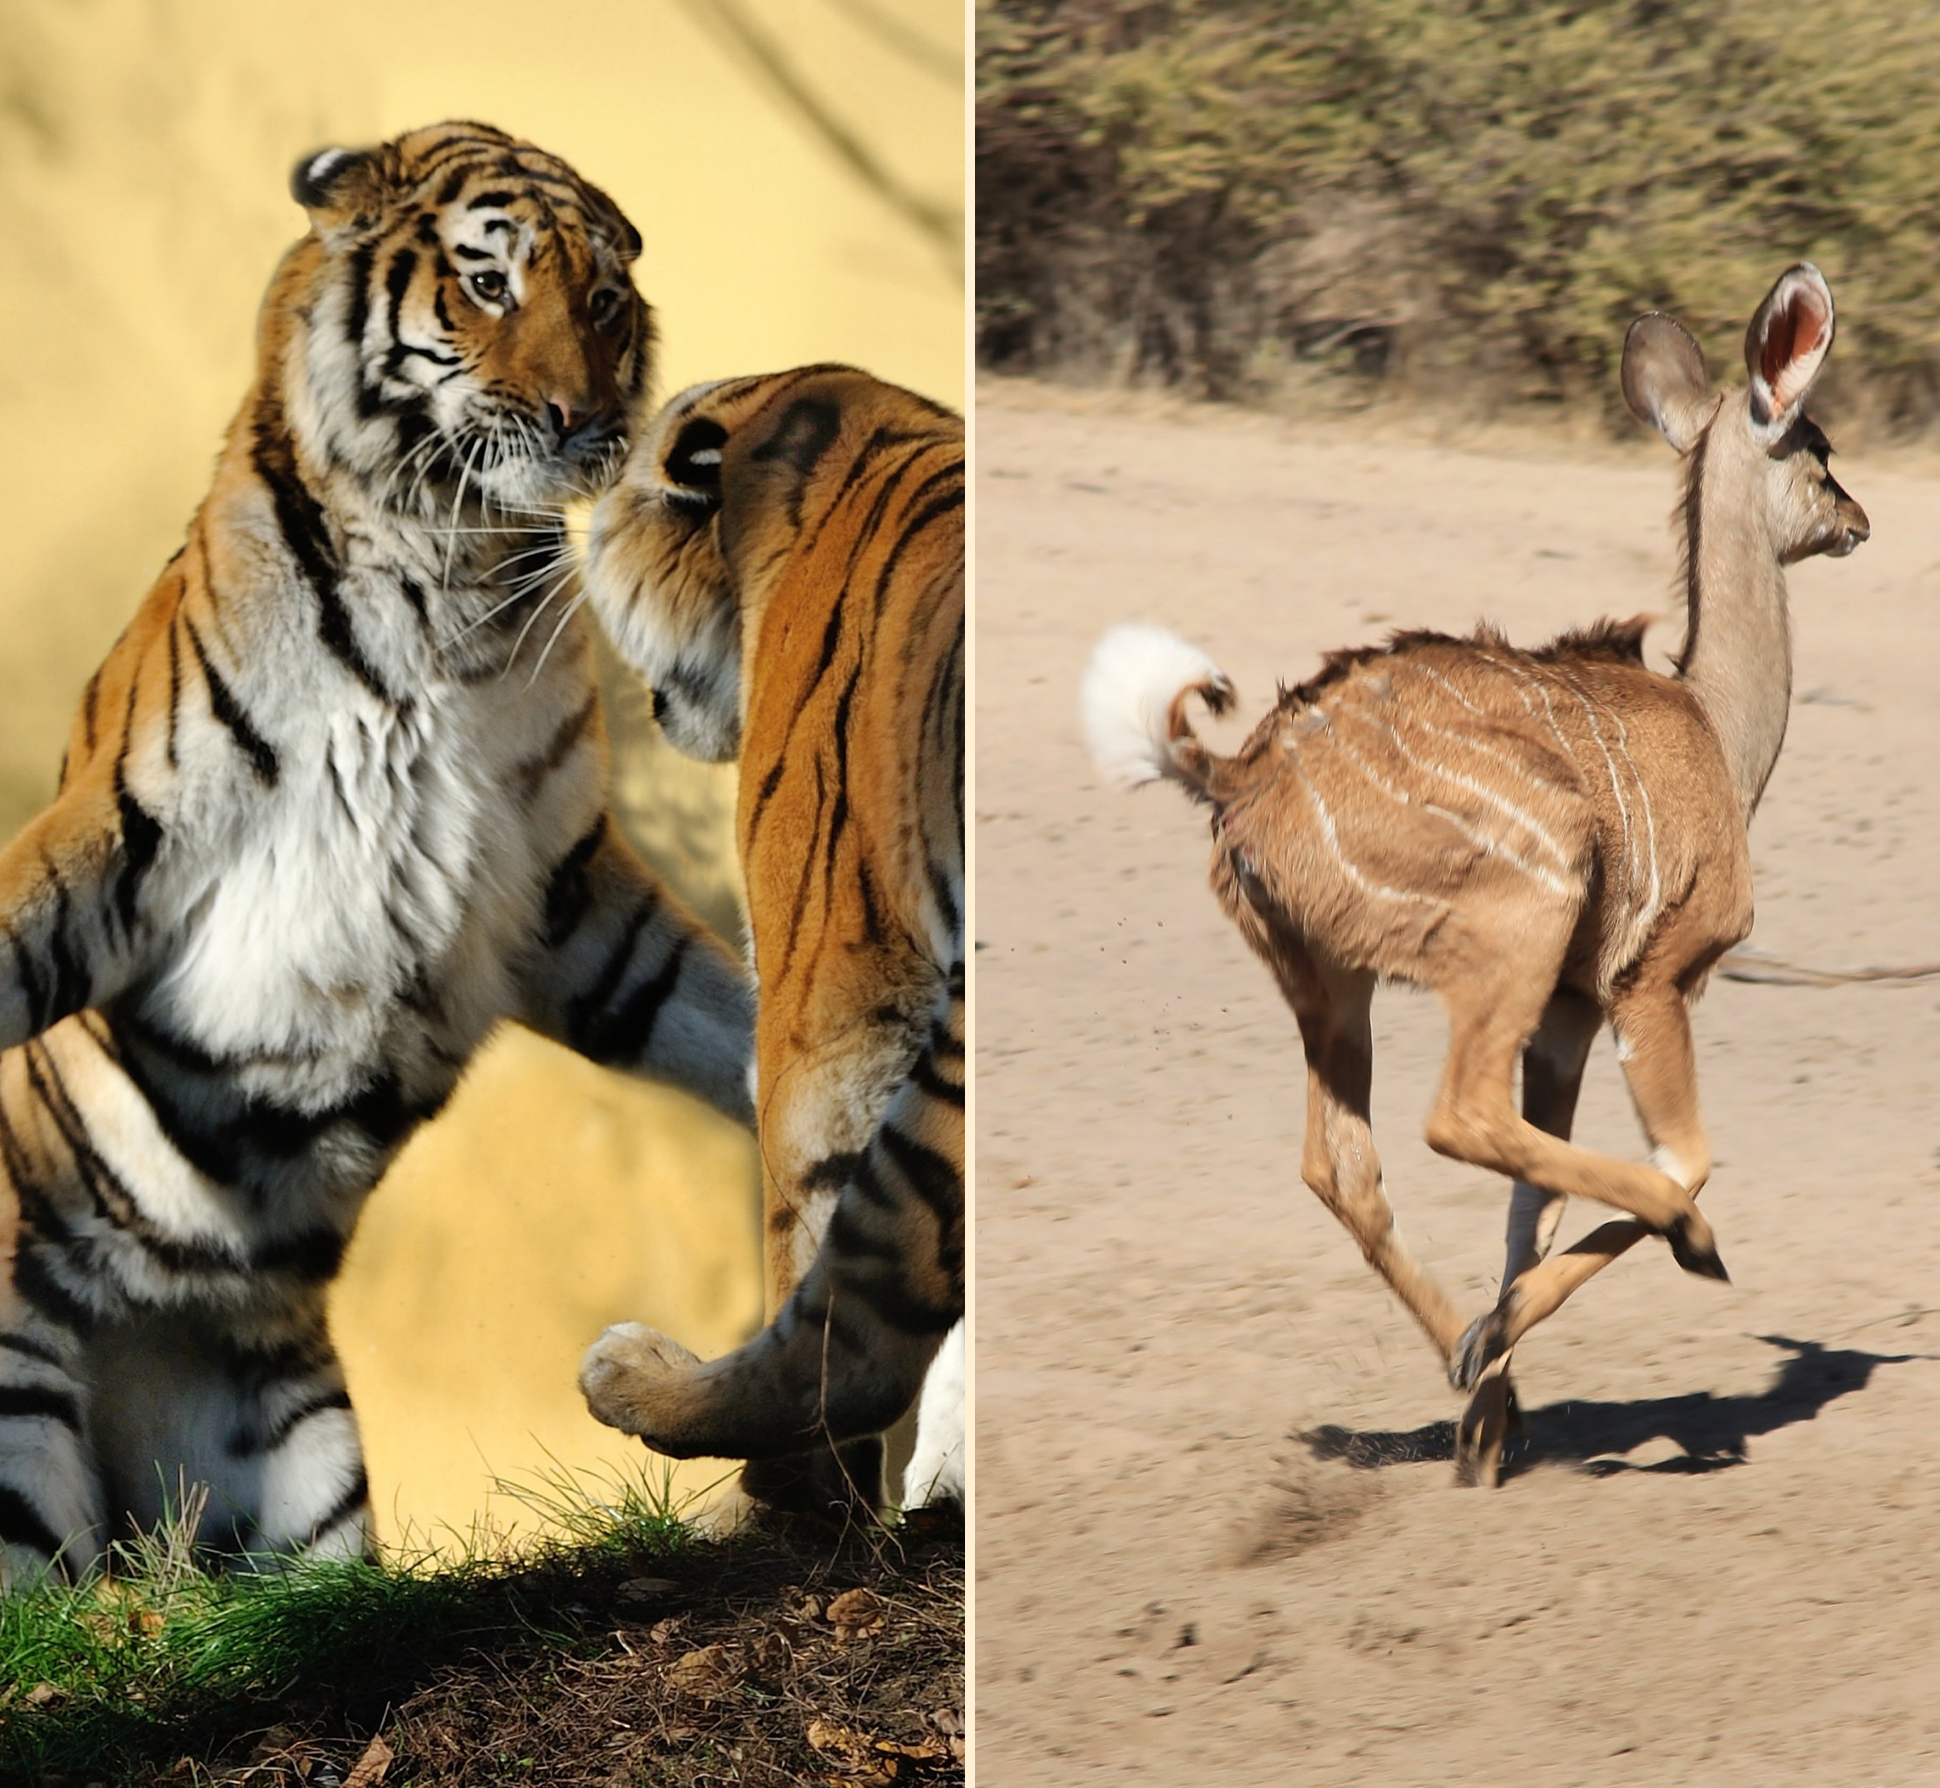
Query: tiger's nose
point(559, 412)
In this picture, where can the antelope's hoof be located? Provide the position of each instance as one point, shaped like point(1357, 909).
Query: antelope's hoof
point(1479, 1348)
point(1482, 1432)
point(1695, 1250)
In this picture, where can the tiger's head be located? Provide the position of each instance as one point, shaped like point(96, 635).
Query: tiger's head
point(460, 319)
point(688, 548)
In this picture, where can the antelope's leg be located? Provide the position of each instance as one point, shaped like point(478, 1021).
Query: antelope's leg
point(1474, 1120)
point(1661, 1070)
point(1552, 1076)
point(1338, 1159)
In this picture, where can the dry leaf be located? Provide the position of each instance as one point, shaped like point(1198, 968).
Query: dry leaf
point(662, 1631)
point(145, 1623)
point(704, 1672)
point(646, 1589)
point(848, 1745)
point(372, 1767)
point(855, 1614)
point(770, 1654)
point(40, 1694)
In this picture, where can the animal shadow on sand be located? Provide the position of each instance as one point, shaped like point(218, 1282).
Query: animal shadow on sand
point(1714, 1432)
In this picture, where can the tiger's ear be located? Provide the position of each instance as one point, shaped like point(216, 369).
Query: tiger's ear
point(339, 187)
point(627, 237)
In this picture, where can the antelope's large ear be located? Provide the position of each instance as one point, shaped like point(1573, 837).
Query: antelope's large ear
point(339, 187)
point(1786, 345)
point(1664, 381)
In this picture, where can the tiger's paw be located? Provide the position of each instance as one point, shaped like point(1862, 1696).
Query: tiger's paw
point(622, 1372)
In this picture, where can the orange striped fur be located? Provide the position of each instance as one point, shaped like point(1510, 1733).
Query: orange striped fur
point(782, 559)
point(332, 808)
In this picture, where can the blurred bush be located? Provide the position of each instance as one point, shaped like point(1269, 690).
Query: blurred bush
point(1462, 196)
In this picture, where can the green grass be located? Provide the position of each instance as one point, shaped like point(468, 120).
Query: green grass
point(158, 1654)
point(622, 1645)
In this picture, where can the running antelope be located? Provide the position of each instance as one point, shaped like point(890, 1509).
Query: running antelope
point(1545, 838)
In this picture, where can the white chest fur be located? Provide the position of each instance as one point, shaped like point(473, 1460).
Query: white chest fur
point(375, 905)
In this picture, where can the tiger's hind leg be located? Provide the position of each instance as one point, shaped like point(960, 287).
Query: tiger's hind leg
point(935, 1473)
point(53, 1515)
point(847, 1354)
point(256, 1411)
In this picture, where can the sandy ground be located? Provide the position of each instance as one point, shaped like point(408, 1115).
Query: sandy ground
point(1719, 1559)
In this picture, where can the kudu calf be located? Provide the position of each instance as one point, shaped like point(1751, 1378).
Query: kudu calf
point(1545, 838)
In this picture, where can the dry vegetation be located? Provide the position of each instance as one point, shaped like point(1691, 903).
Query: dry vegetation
point(1469, 197)
point(632, 1651)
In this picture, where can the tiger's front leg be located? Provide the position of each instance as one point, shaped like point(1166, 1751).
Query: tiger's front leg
point(72, 913)
point(806, 1400)
point(626, 976)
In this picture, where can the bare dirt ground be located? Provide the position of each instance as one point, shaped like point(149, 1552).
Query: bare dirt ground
point(1218, 1538)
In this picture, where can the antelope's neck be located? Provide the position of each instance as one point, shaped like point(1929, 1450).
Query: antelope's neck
point(1737, 658)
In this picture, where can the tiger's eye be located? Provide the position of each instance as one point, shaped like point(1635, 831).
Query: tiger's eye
point(488, 286)
point(603, 307)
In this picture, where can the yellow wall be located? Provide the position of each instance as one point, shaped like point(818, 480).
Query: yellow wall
point(144, 152)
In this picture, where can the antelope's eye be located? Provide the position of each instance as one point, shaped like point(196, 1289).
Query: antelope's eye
point(604, 307)
point(488, 287)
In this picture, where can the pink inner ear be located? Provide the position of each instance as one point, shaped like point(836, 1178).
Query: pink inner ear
point(1796, 335)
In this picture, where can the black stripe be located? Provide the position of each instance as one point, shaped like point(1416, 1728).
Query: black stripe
point(306, 532)
point(415, 596)
point(627, 1031)
point(28, 1348)
point(32, 989)
point(72, 983)
point(34, 1280)
point(849, 1237)
point(230, 713)
point(311, 1257)
point(765, 794)
point(901, 1309)
point(174, 684)
point(340, 1511)
point(141, 839)
point(936, 1181)
point(21, 1524)
point(833, 1171)
point(569, 892)
point(28, 1402)
point(934, 1084)
point(495, 200)
point(369, 400)
point(245, 1444)
point(89, 697)
point(533, 774)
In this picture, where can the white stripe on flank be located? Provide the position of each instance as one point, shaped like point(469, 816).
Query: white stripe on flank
point(1493, 847)
point(1354, 873)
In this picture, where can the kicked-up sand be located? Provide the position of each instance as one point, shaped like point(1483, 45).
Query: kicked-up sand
point(1218, 1537)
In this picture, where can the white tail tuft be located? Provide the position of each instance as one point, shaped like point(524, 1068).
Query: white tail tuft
point(1134, 678)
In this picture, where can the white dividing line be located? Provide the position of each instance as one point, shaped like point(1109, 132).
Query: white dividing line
point(1493, 847)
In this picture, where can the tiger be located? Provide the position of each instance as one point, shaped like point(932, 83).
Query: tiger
point(332, 808)
point(782, 561)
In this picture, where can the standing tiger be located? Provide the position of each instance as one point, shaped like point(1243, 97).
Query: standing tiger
point(333, 806)
point(782, 559)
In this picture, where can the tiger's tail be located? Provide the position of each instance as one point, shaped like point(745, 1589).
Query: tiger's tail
point(1134, 705)
point(847, 1354)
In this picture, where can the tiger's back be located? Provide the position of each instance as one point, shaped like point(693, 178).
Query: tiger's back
point(826, 508)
